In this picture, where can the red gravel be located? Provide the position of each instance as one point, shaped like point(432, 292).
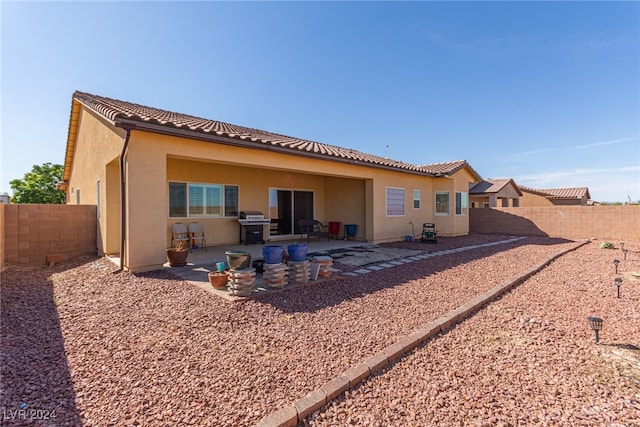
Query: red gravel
point(105, 348)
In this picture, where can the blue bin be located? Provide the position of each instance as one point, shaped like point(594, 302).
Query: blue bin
point(350, 229)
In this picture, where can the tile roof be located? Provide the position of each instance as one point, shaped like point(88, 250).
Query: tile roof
point(448, 168)
point(492, 186)
point(568, 193)
point(123, 113)
point(560, 193)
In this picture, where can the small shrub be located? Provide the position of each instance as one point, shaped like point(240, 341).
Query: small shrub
point(606, 245)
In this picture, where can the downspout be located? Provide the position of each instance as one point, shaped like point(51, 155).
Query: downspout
point(123, 199)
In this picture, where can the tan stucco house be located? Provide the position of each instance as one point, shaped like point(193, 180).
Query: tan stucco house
point(146, 168)
point(568, 196)
point(488, 193)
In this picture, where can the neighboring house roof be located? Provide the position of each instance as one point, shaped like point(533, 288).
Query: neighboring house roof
point(492, 186)
point(560, 193)
point(449, 168)
point(134, 116)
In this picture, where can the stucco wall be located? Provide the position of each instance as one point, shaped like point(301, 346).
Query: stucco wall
point(346, 201)
point(613, 223)
point(96, 161)
point(31, 232)
point(343, 192)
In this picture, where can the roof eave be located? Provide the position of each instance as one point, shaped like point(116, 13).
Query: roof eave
point(72, 136)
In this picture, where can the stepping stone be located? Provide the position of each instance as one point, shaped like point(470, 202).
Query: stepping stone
point(386, 265)
point(363, 271)
point(375, 267)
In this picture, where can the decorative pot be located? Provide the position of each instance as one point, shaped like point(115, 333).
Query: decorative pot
point(218, 280)
point(237, 260)
point(177, 257)
point(272, 254)
point(297, 252)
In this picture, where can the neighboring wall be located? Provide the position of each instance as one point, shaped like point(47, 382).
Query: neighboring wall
point(613, 223)
point(529, 199)
point(2, 239)
point(29, 233)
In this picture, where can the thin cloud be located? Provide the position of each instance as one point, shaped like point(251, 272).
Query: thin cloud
point(601, 40)
point(603, 143)
point(484, 45)
point(570, 173)
point(578, 147)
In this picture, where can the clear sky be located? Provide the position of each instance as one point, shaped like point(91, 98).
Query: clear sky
point(546, 93)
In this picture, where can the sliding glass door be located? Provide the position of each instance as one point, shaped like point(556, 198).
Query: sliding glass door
point(286, 208)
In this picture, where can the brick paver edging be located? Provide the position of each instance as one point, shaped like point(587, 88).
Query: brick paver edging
point(292, 415)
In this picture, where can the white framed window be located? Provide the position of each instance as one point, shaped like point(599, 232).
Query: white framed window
point(462, 203)
point(416, 199)
point(202, 200)
point(442, 203)
point(395, 201)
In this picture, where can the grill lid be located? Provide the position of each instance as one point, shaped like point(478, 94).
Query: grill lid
point(251, 215)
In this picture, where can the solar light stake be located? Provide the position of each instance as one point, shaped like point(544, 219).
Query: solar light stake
point(618, 284)
point(624, 251)
point(616, 262)
point(622, 245)
point(596, 325)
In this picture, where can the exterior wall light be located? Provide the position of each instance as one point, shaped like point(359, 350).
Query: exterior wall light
point(596, 325)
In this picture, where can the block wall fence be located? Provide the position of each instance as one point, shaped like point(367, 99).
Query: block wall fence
point(606, 223)
point(30, 232)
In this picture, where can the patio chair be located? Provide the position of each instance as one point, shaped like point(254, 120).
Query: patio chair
point(313, 228)
point(196, 234)
point(179, 233)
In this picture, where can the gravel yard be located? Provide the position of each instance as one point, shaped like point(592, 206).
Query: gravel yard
point(96, 347)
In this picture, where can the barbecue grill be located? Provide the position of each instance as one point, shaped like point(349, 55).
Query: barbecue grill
point(252, 227)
